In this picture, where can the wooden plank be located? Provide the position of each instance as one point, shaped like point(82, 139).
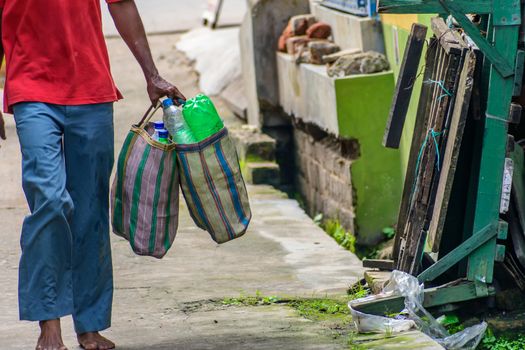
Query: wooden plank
point(405, 85)
point(501, 63)
point(453, 292)
point(387, 265)
point(446, 37)
point(421, 199)
point(419, 135)
point(462, 251)
point(453, 145)
point(432, 6)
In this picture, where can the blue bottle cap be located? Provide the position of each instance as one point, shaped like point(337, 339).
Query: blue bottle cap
point(158, 125)
point(163, 134)
point(167, 103)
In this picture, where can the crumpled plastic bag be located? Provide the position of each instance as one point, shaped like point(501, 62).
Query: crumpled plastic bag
point(406, 285)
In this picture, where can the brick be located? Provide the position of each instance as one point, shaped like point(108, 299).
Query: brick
point(296, 44)
point(313, 173)
point(345, 216)
point(340, 192)
point(318, 49)
point(300, 24)
point(318, 203)
point(319, 30)
point(324, 180)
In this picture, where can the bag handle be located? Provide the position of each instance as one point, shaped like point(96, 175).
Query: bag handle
point(148, 115)
point(152, 109)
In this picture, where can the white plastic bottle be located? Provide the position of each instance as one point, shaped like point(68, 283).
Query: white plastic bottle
point(175, 124)
point(158, 126)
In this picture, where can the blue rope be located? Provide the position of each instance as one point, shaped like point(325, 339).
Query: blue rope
point(441, 84)
point(434, 134)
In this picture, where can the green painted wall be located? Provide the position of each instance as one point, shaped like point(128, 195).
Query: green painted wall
point(363, 103)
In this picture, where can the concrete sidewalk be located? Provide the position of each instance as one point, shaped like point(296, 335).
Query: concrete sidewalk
point(174, 303)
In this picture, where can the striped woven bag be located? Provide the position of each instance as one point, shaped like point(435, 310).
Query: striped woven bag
point(213, 187)
point(145, 192)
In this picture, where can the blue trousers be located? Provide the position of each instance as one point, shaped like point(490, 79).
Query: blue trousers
point(67, 158)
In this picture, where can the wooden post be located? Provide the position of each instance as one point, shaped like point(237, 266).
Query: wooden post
point(405, 85)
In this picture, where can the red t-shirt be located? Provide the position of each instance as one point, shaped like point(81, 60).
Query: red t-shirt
point(55, 53)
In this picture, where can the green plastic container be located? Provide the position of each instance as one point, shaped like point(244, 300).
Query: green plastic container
point(202, 117)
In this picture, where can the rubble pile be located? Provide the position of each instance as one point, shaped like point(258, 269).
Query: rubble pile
point(310, 41)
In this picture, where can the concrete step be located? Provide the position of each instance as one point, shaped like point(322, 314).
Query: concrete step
point(252, 145)
point(256, 156)
point(267, 173)
point(377, 280)
point(401, 341)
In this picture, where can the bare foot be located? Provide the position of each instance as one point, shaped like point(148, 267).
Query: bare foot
point(50, 336)
point(94, 341)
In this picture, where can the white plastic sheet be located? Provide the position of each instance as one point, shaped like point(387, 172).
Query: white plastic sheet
point(217, 57)
point(408, 286)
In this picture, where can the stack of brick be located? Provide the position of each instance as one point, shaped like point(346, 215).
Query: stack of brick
point(308, 40)
point(324, 179)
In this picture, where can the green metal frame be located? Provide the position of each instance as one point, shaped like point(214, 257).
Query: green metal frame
point(500, 48)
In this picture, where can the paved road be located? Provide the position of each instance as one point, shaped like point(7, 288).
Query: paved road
point(168, 304)
point(178, 15)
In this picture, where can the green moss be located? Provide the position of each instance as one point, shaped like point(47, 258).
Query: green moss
point(253, 158)
point(321, 309)
point(316, 309)
point(357, 291)
point(345, 239)
point(256, 300)
point(511, 341)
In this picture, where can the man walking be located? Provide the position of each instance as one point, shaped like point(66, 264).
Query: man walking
point(60, 90)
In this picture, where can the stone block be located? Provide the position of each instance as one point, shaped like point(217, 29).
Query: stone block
point(302, 185)
point(324, 180)
point(377, 280)
point(318, 203)
point(508, 322)
point(313, 173)
point(263, 174)
point(253, 145)
point(340, 191)
point(351, 31)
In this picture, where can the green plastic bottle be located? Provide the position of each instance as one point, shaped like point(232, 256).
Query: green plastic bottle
point(201, 117)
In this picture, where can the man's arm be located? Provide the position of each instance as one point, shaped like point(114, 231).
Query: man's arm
point(2, 124)
point(129, 24)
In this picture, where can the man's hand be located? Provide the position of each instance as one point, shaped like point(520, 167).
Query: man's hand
point(158, 87)
point(2, 127)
